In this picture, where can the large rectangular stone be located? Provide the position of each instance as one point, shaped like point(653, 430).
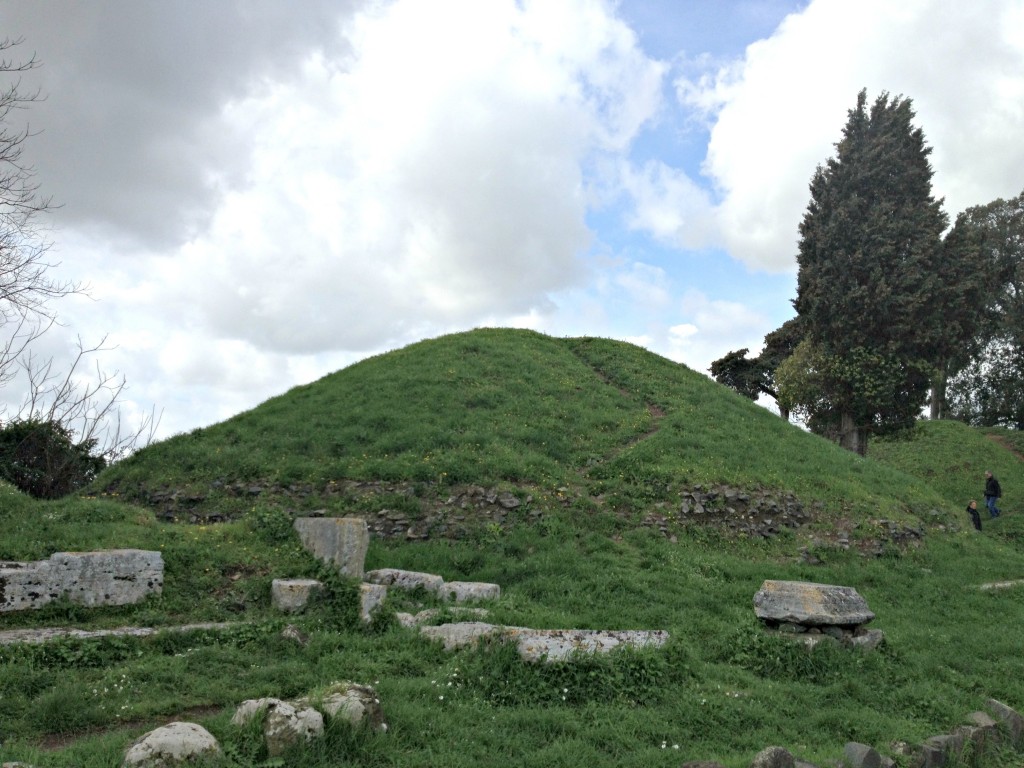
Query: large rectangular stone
point(809, 604)
point(105, 577)
point(338, 541)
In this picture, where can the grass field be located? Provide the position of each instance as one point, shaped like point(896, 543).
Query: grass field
point(597, 433)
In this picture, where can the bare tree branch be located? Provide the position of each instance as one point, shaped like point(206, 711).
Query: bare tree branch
point(80, 412)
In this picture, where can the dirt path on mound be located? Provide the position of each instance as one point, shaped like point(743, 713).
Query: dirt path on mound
point(58, 741)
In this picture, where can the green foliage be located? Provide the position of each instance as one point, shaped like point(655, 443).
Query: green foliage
point(870, 288)
point(738, 372)
point(42, 459)
point(989, 391)
point(754, 377)
point(271, 523)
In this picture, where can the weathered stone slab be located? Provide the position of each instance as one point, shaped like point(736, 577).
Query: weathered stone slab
point(464, 591)
point(1002, 584)
point(38, 636)
point(810, 604)
point(106, 577)
point(410, 580)
point(461, 634)
point(338, 541)
point(428, 614)
point(293, 595)
point(560, 644)
point(545, 644)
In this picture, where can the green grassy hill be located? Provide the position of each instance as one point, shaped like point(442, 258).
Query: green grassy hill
point(595, 438)
point(605, 419)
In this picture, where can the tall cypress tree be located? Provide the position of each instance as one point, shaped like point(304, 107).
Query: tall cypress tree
point(869, 278)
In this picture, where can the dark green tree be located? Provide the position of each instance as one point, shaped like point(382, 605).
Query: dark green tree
point(968, 320)
point(44, 459)
point(753, 377)
point(869, 284)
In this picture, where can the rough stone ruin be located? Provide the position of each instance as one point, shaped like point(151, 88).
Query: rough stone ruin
point(813, 613)
point(106, 577)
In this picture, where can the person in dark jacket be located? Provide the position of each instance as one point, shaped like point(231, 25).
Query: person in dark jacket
point(992, 492)
point(972, 510)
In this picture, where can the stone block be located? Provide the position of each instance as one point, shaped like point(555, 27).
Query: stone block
point(811, 604)
point(338, 541)
point(409, 580)
point(105, 577)
point(559, 644)
point(460, 635)
point(292, 595)
point(463, 591)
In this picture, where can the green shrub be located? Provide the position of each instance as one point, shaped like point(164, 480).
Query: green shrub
point(42, 459)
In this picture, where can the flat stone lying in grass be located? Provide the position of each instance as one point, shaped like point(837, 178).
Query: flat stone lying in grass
point(410, 620)
point(408, 580)
point(1003, 585)
point(36, 636)
point(457, 591)
point(105, 577)
point(464, 591)
point(810, 605)
point(546, 644)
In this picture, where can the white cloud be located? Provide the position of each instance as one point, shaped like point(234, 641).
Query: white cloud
point(778, 113)
point(436, 180)
point(668, 204)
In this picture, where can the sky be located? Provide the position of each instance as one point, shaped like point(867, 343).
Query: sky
point(258, 193)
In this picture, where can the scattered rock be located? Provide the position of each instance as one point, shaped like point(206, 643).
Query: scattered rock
point(285, 724)
point(172, 745)
point(861, 756)
point(773, 757)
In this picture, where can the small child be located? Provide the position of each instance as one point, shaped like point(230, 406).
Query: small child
point(972, 510)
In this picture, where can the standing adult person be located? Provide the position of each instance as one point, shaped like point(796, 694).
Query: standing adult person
point(992, 492)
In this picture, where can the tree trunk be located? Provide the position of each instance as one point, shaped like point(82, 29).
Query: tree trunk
point(852, 437)
point(938, 400)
